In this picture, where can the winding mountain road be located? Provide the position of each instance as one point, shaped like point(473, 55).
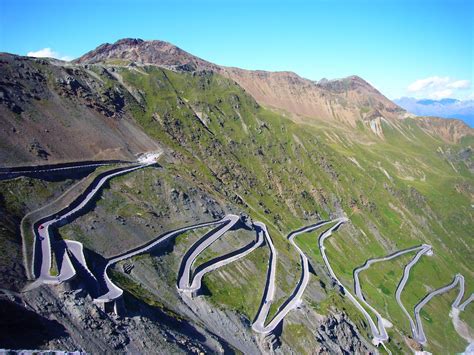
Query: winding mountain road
point(296, 297)
point(425, 249)
point(42, 231)
point(12, 172)
point(185, 277)
point(269, 290)
point(463, 306)
point(69, 252)
point(113, 291)
point(377, 337)
point(420, 336)
point(382, 333)
point(214, 264)
point(417, 326)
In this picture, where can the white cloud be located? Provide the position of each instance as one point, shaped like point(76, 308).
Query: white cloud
point(460, 84)
point(431, 82)
point(437, 87)
point(48, 53)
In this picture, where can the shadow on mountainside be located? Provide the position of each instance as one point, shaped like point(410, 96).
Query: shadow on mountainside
point(21, 328)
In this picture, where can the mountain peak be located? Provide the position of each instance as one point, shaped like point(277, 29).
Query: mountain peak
point(351, 82)
point(129, 41)
point(137, 50)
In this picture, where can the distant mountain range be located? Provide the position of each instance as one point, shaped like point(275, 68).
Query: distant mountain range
point(447, 108)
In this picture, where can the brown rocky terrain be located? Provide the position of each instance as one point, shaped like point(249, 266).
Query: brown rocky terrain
point(451, 130)
point(145, 52)
point(345, 101)
point(53, 112)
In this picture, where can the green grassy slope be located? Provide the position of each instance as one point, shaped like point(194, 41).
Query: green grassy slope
point(398, 191)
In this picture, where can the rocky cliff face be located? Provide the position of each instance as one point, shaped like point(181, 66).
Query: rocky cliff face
point(343, 101)
point(68, 320)
point(450, 130)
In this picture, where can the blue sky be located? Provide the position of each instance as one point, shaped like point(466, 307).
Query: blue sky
point(421, 48)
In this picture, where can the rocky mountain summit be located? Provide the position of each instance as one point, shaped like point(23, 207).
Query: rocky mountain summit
point(145, 52)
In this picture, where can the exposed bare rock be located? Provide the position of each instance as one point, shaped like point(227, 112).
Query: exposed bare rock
point(451, 131)
point(340, 336)
point(330, 101)
point(57, 112)
point(68, 320)
point(146, 52)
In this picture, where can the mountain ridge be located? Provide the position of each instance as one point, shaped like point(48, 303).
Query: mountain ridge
point(345, 101)
point(283, 90)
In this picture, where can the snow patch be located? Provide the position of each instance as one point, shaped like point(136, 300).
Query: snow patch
point(149, 157)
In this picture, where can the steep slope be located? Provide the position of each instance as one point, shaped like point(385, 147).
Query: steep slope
point(344, 101)
point(398, 192)
point(226, 153)
point(52, 112)
point(450, 130)
point(145, 52)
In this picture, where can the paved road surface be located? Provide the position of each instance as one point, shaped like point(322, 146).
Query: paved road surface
point(382, 333)
point(269, 291)
point(12, 172)
point(187, 282)
point(420, 336)
point(113, 292)
point(377, 339)
point(462, 307)
point(42, 232)
point(218, 262)
point(185, 277)
point(296, 297)
point(406, 273)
